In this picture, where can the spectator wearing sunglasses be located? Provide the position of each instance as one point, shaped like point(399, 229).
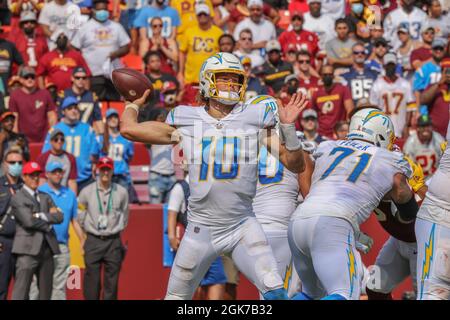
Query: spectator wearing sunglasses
point(33, 108)
point(245, 44)
point(58, 154)
point(308, 81)
point(159, 9)
point(9, 138)
point(88, 105)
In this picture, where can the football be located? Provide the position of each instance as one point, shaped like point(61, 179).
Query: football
point(131, 84)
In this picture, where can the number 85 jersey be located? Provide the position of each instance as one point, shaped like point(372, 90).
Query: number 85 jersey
point(222, 159)
point(350, 178)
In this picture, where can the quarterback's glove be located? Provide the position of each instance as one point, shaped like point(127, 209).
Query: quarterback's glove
point(417, 180)
point(363, 242)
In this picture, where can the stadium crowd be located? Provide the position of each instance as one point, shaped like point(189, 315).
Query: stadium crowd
point(56, 59)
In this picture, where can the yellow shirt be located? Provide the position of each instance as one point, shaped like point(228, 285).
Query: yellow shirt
point(198, 45)
point(186, 10)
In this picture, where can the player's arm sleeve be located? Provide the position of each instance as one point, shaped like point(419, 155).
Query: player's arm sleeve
point(176, 198)
point(402, 165)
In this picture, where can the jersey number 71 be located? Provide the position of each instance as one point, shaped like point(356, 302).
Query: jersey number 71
point(344, 153)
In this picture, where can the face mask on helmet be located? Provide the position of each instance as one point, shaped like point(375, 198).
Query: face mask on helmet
point(228, 95)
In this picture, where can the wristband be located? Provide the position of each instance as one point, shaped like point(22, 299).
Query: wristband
point(289, 136)
point(132, 106)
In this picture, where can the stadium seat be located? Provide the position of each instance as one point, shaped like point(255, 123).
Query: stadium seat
point(133, 61)
point(118, 105)
point(142, 193)
point(139, 174)
point(285, 19)
point(141, 156)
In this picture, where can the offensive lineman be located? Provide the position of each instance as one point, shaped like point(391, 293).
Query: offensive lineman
point(220, 143)
point(350, 178)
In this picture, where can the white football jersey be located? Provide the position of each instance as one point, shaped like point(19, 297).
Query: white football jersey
point(414, 21)
point(222, 159)
point(349, 180)
point(395, 99)
point(427, 155)
point(276, 193)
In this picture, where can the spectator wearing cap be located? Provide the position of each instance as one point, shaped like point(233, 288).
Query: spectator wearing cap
point(30, 43)
point(120, 150)
point(188, 15)
point(79, 140)
point(309, 124)
point(322, 25)
point(166, 47)
point(164, 12)
point(33, 108)
point(339, 49)
point(437, 98)
point(262, 29)
point(274, 70)
point(245, 45)
point(103, 215)
point(58, 65)
point(10, 182)
point(424, 146)
point(298, 39)
point(9, 138)
point(58, 154)
point(332, 102)
point(10, 56)
point(66, 200)
point(87, 100)
point(35, 241)
point(375, 62)
point(102, 42)
point(291, 86)
point(255, 86)
point(438, 20)
point(422, 54)
point(406, 45)
point(197, 44)
point(226, 43)
point(55, 17)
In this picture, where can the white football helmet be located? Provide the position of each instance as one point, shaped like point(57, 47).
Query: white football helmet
point(372, 125)
point(222, 62)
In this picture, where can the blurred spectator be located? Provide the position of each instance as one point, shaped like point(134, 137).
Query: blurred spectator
point(165, 12)
point(158, 78)
point(226, 43)
point(188, 15)
point(375, 61)
point(10, 182)
point(408, 15)
point(58, 154)
point(262, 29)
point(242, 11)
point(35, 241)
point(29, 42)
point(332, 102)
point(9, 55)
point(222, 13)
point(79, 140)
point(425, 146)
point(322, 25)
point(102, 42)
point(57, 65)
point(360, 77)
point(335, 9)
point(308, 83)
point(162, 172)
point(58, 15)
point(437, 97)
point(245, 45)
point(33, 108)
point(197, 44)
point(393, 95)
point(291, 86)
point(299, 38)
point(274, 70)
point(87, 100)
point(128, 19)
point(358, 19)
point(422, 54)
point(167, 47)
point(437, 20)
point(66, 200)
point(10, 139)
point(405, 48)
point(120, 150)
point(376, 33)
point(341, 130)
point(103, 215)
point(339, 49)
point(255, 86)
point(310, 125)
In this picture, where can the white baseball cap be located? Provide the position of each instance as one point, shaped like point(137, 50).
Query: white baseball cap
point(255, 3)
point(202, 8)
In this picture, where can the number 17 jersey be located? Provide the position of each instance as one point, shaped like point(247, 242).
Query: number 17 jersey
point(350, 178)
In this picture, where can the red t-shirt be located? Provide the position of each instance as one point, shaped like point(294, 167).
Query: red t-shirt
point(422, 54)
point(58, 67)
point(32, 109)
point(439, 110)
point(303, 41)
point(330, 107)
point(31, 49)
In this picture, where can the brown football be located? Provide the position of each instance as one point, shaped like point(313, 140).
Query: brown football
point(131, 84)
